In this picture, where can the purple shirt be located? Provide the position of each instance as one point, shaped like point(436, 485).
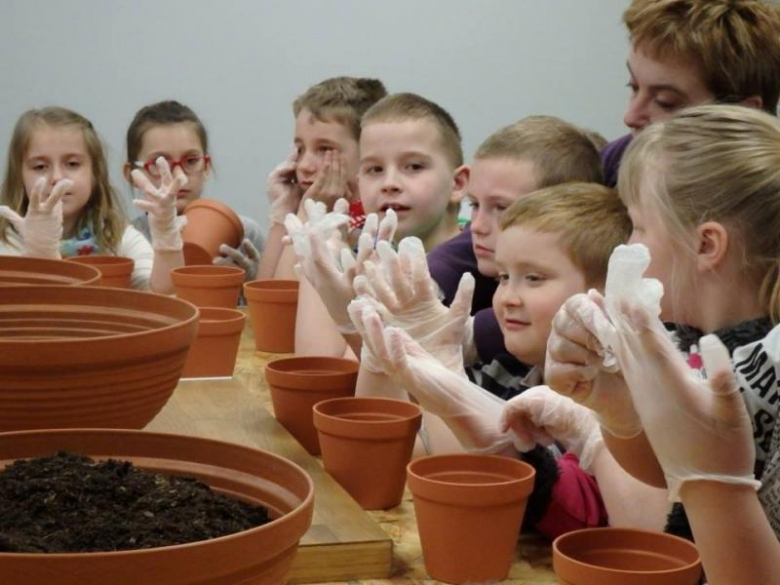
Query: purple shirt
point(611, 155)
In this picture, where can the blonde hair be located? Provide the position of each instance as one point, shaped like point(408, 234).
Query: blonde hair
point(715, 163)
point(590, 220)
point(560, 152)
point(102, 212)
point(341, 99)
point(403, 107)
point(734, 43)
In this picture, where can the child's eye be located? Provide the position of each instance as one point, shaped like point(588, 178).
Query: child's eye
point(39, 167)
point(324, 149)
point(534, 278)
point(415, 167)
point(74, 164)
point(473, 204)
point(502, 278)
point(633, 87)
point(375, 170)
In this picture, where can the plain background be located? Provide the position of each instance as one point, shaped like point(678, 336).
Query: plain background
point(240, 63)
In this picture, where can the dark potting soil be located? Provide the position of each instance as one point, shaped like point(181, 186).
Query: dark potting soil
point(70, 503)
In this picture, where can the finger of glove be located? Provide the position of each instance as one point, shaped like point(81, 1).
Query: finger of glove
point(56, 194)
point(320, 260)
point(144, 205)
point(422, 283)
point(380, 289)
point(341, 207)
point(365, 250)
point(142, 182)
point(36, 195)
point(374, 336)
point(16, 220)
point(348, 264)
point(179, 180)
point(388, 226)
point(569, 379)
point(166, 178)
point(394, 275)
point(235, 255)
point(370, 227)
point(460, 308)
point(250, 251)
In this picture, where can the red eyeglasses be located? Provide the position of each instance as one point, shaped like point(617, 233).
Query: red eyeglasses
point(189, 164)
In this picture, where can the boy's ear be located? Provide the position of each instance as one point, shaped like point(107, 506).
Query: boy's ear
point(753, 101)
point(460, 183)
point(126, 169)
point(712, 245)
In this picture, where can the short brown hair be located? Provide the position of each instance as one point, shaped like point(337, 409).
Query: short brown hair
point(341, 99)
point(590, 219)
point(162, 114)
point(401, 107)
point(735, 43)
point(559, 151)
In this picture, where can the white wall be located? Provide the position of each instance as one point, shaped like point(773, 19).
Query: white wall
point(240, 63)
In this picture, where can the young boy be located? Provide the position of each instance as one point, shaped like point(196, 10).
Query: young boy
point(551, 244)
point(687, 52)
point(323, 164)
point(536, 152)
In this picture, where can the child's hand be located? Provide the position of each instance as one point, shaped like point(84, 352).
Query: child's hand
point(332, 182)
point(246, 256)
point(41, 228)
point(284, 193)
point(160, 204)
point(542, 416)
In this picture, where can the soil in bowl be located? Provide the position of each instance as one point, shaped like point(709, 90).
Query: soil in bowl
point(69, 503)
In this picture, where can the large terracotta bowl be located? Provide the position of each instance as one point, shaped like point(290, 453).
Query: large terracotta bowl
point(16, 270)
point(258, 556)
point(74, 356)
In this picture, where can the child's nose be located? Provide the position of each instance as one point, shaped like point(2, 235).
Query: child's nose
point(479, 222)
point(307, 163)
point(57, 173)
point(390, 182)
point(637, 115)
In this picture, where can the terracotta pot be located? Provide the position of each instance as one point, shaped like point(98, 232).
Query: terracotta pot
point(23, 270)
point(272, 308)
point(213, 353)
point(622, 556)
point(74, 356)
point(366, 444)
point(260, 556)
point(115, 271)
point(210, 224)
point(469, 509)
point(298, 383)
point(209, 286)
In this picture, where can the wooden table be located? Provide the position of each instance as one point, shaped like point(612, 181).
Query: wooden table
point(345, 544)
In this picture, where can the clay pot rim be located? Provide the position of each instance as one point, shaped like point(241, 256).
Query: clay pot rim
point(598, 569)
point(351, 368)
point(100, 259)
point(25, 262)
point(298, 510)
point(190, 271)
point(221, 208)
point(231, 315)
point(399, 420)
point(530, 472)
point(17, 341)
point(267, 284)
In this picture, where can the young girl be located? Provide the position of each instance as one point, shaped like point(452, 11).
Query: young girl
point(703, 193)
point(58, 201)
point(171, 130)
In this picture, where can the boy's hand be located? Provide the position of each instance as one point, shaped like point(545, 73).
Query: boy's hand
point(283, 191)
point(41, 228)
point(246, 256)
point(332, 183)
point(160, 203)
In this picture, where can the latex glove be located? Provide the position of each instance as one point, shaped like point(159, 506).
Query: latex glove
point(246, 256)
point(331, 267)
point(574, 365)
point(404, 294)
point(469, 411)
point(284, 193)
point(327, 225)
point(542, 416)
point(41, 227)
point(699, 428)
point(332, 182)
point(160, 205)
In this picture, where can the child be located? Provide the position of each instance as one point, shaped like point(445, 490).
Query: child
point(323, 164)
point(57, 177)
point(703, 192)
point(536, 152)
point(173, 131)
point(552, 243)
point(688, 52)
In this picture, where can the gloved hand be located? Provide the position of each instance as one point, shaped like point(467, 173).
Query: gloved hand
point(331, 267)
point(332, 182)
point(542, 416)
point(574, 365)
point(699, 429)
point(326, 224)
point(401, 290)
point(41, 227)
point(284, 193)
point(246, 256)
point(160, 205)
point(469, 411)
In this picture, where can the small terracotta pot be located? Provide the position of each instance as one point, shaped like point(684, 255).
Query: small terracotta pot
point(23, 270)
point(622, 556)
point(272, 308)
point(213, 353)
point(366, 444)
point(298, 383)
point(115, 271)
point(208, 286)
point(210, 224)
point(469, 510)
point(260, 556)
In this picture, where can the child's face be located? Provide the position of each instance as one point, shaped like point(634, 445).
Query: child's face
point(494, 185)
point(660, 88)
point(56, 153)
point(177, 143)
point(313, 138)
point(535, 277)
point(403, 167)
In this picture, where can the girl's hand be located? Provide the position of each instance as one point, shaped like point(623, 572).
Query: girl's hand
point(284, 193)
point(160, 204)
point(331, 184)
point(41, 228)
point(246, 256)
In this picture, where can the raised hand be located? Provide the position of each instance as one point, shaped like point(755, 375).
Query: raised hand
point(160, 205)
